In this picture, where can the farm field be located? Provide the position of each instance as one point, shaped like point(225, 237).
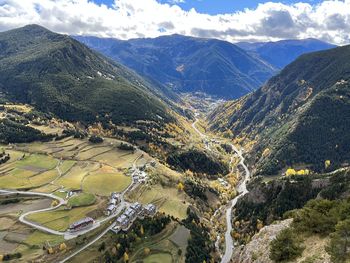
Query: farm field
point(92, 172)
point(159, 258)
point(61, 219)
point(168, 200)
point(162, 248)
point(104, 183)
point(83, 199)
point(60, 166)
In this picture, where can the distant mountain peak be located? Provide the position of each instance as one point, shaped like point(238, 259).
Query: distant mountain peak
point(189, 64)
point(283, 52)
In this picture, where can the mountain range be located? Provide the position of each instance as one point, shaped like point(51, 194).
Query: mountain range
point(188, 64)
point(281, 53)
point(60, 75)
point(299, 118)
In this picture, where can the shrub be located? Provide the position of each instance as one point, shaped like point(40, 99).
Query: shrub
point(95, 139)
point(285, 247)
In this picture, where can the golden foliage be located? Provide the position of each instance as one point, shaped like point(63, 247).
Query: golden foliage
point(290, 172)
point(63, 246)
point(126, 257)
point(180, 187)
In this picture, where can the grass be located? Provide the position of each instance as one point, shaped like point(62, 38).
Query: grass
point(47, 188)
point(117, 158)
point(43, 178)
point(92, 151)
point(66, 166)
point(105, 183)
point(38, 161)
point(75, 176)
point(38, 238)
point(158, 258)
point(61, 219)
point(83, 199)
point(16, 179)
point(168, 200)
point(159, 245)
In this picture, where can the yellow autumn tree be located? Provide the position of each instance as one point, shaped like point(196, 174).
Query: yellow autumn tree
point(180, 187)
point(146, 251)
point(290, 172)
point(54, 203)
point(327, 163)
point(237, 224)
point(63, 246)
point(259, 225)
point(126, 257)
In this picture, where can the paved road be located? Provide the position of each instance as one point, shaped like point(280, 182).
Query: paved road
point(123, 205)
point(203, 136)
point(242, 190)
point(32, 224)
point(88, 244)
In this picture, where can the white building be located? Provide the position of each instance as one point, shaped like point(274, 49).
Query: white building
point(149, 210)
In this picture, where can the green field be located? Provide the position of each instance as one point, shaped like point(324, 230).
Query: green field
point(39, 238)
point(37, 161)
point(106, 183)
point(83, 199)
point(61, 219)
point(117, 158)
point(74, 177)
point(66, 166)
point(168, 200)
point(158, 258)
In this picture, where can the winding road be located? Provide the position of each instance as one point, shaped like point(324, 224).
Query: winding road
point(29, 223)
point(241, 189)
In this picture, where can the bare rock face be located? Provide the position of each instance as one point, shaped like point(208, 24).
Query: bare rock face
point(258, 249)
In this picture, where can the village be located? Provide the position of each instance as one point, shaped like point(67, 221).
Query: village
point(116, 201)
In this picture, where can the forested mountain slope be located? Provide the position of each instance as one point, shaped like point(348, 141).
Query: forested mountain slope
point(299, 117)
point(188, 64)
point(60, 75)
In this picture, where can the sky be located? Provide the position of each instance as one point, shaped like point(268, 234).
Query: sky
point(214, 7)
point(230, 20)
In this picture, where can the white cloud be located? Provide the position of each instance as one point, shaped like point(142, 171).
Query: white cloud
point(329, 20)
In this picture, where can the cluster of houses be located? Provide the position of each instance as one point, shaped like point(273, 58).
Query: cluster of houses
point(139, 175)
point(136, 210)
point(114, 200)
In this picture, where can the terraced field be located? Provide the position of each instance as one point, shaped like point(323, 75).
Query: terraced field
point(61, 219)
point(65, 165)
point(106, 183)
point(168, 200)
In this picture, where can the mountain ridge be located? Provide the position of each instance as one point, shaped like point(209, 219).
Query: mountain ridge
point(188, 64)
point(284, 114)
point(283, 52)
point(59, 74)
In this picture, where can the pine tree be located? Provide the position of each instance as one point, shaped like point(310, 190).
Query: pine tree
point(339, 245)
